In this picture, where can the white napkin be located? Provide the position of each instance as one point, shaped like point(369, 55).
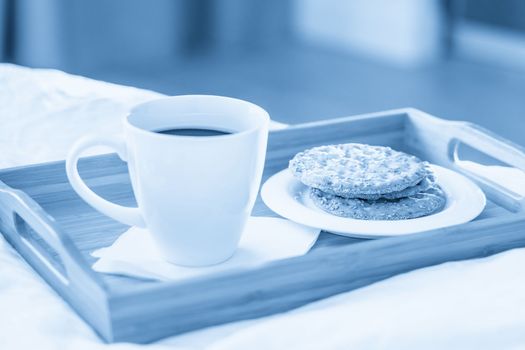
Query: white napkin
point(264, 239)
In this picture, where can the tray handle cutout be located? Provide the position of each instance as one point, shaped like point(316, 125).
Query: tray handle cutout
point(35, 234)
point(491, 161)
point(47, 248)
point(46, 252)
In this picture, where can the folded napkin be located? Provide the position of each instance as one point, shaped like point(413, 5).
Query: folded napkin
point(264, 239)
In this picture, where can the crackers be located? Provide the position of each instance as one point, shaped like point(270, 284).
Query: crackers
point(420, 204)
point(423, 185)
point(355, 170)
point(368, 182)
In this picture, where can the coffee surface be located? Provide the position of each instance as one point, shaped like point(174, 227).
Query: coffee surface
point(192, 132)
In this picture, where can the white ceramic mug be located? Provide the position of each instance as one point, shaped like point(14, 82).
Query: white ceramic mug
point(194, 193)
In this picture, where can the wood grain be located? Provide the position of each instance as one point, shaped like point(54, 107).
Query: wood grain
point(63, 231)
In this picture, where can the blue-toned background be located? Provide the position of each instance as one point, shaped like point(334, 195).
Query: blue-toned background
point(302, 59)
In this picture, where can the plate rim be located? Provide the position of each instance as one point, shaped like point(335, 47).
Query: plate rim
point(415, 224)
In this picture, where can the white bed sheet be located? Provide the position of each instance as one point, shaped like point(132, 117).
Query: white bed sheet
point(476, 304)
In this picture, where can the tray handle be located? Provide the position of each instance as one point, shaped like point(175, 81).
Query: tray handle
point(37, 237)
point(490, 144)
point(440, 140)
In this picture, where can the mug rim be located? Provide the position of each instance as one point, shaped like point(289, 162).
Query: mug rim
point(261, 113)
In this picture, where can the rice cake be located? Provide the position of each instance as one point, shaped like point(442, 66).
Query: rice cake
point(353, 169)
point(425, 203)
point(423, 185)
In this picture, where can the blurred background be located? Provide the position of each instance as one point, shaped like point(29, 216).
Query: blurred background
point(302, 60)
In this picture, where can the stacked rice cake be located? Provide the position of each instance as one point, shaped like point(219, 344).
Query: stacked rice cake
point(368, 182)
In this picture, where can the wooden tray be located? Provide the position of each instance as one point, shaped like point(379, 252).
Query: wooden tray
point(55, 231)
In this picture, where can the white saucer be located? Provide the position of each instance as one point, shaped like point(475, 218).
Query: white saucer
point(289, 198)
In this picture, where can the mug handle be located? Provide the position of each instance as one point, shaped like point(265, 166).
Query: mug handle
point(127, 215)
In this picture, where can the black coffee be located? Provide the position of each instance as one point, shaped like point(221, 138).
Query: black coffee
point(193, 132)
